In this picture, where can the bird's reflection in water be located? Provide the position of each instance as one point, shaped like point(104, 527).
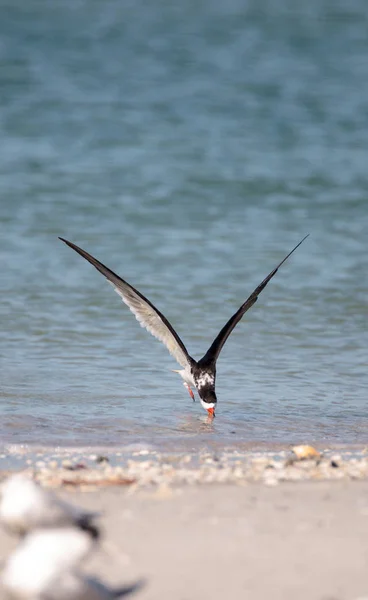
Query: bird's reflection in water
point(196, 424)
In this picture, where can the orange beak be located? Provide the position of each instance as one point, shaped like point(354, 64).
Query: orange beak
point(211, 412)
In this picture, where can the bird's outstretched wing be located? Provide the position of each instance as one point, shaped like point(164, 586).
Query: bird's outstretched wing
point(216, 347)
point(144, 311)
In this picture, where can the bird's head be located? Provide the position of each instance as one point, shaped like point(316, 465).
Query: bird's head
point(208, 401)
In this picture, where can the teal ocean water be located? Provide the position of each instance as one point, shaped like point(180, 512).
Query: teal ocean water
point(189, 146)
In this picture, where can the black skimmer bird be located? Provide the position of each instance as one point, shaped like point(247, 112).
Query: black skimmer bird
point(201, 374)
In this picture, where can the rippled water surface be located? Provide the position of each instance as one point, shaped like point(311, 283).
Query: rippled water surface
point(189, 146)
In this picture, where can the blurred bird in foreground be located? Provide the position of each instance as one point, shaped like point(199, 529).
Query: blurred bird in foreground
point(45, 564)
point(25, 506)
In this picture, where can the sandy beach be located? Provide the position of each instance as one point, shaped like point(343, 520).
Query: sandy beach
point(274, 528)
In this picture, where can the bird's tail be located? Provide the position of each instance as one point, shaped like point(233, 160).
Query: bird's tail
point(128, 589)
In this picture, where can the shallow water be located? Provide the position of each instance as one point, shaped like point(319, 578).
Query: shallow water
point(189, 146)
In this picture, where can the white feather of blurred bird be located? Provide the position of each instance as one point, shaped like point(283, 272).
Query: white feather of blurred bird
point(41, 557)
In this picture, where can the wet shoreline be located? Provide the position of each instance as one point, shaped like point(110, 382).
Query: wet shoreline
point(146, 467)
